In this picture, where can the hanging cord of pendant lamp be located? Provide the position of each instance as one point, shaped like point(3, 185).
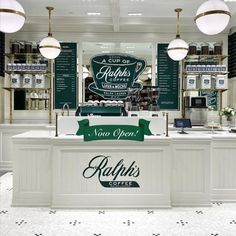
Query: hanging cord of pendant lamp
point(177, 48)
point(49, 47)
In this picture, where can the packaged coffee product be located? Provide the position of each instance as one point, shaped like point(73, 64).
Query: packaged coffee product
point(221, 82)
point(206, 82)
point(27, 81)
point(15, 81)
point(39, 81)
point(191, 81)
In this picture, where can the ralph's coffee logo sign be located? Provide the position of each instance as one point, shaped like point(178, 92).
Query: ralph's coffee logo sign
point(115, 75)
point(109, 175)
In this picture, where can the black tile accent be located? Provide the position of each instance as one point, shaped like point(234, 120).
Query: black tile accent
point(150, 212)
point(96, 234)
point(101, 212)
point(213, 234)
point(156, 234)
point(75, 222)
point(181, 222)
point(19, 223)
point(52, 212)
point(199, 212)
point(128, 222)
point(38, 234)
point(233, 222)
point(3, 212)
point(217, 203)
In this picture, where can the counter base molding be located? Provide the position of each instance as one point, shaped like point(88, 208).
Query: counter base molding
point(179, 170)
point(191, 175)
point(224, 169)
point(32, 174)
point(111, 176)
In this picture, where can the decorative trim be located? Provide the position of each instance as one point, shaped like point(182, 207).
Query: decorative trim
point(50, 46)
point(211, 13)
point(177, 48)
point(13, 12)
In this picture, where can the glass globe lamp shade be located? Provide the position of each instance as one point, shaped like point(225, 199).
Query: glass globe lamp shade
point(177, 49)
point(12, 16)
point(212, 17)
point(49, 47)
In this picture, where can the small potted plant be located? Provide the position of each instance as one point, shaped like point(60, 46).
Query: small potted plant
point(228, 112)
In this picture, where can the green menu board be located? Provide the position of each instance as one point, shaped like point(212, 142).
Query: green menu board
point(168, 79)
point(65, 83)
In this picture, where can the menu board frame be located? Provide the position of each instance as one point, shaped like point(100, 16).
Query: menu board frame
point(167, 79)
point(66, 82)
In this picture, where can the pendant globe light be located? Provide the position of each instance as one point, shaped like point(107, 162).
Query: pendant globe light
point(177, 48)
point(12, 16)
point(49, 47)
point(212, 17)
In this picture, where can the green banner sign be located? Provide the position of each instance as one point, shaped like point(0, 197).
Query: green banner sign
point(115, 75)
point(113, 132)
point(168, 79)
point(65, 85)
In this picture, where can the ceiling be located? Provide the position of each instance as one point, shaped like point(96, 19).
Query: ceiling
point(71, 15)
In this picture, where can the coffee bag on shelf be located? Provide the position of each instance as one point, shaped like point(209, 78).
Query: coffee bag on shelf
point(15, 81)
point(27, 81)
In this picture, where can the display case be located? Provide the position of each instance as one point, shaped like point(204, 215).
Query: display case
point(203, 75)
point(28, 80)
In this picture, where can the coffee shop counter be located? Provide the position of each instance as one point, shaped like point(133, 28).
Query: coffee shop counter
point(179, 170)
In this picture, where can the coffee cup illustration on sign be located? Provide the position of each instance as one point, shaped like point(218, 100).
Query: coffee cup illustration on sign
point(115, 75)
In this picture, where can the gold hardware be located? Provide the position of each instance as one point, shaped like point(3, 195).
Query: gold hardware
point(211, 13)
point(13, 12)
point(176, 48)
point(167, 121)
point(56, 135)
point(49, 46)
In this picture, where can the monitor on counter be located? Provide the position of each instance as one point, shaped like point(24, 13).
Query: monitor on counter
point(182, 123)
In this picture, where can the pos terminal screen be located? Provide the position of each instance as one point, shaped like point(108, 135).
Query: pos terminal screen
point(182, 123)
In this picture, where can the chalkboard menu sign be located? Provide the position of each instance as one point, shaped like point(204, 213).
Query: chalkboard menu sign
point(65, 85)
point(2, 50)
point(232, 55)
point(168, 79)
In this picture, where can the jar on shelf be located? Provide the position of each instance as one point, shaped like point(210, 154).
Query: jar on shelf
point(217, 49)
point(28, 47)
point(15, 47)
point(204, 48)
point(192, 49)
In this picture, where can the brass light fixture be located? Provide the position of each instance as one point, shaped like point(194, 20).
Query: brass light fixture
point(49, 47)
point(177, 48)
point(212, 17)
point(12, 16)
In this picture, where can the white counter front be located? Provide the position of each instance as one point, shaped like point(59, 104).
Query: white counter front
point(179, 170)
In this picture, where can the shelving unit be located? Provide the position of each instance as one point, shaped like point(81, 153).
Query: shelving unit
point(34, 96)
point(215, 60)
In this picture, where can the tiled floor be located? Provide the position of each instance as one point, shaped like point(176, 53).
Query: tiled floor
point(218, 220)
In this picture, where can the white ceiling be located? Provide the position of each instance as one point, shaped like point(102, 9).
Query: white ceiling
point(71, 15)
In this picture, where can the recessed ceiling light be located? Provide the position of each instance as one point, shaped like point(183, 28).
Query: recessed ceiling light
point(93, 13)
point(135, 14)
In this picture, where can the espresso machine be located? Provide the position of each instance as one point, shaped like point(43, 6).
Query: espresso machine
point(196, 109)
